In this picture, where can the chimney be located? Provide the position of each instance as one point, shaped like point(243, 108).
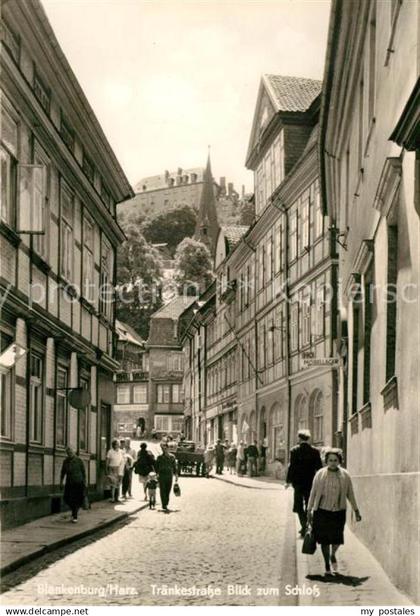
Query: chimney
point(166, 175)
point(230, 189)
point(179, 171)
point(243, 191)
point(222, 186)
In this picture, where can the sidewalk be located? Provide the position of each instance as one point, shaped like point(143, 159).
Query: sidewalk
point(260, 483)
point(24, 543)
point(360, 581)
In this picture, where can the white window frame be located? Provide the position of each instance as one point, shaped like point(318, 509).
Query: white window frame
point(62, 398)
point(318, 214)
point(122, 391)
point(294, 327)
point(293, 236)
point(163, 393)
point(107, 288)
point(88, 259)
point(140, 393)
point(304, 222)
point(176, 393)
point(36, 388)
point(67, 222)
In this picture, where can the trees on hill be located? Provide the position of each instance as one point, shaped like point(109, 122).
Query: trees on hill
point(171, 227)
point(138, 281)
point(193, 266)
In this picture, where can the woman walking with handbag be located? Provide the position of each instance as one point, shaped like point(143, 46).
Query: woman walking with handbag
point(331, 488)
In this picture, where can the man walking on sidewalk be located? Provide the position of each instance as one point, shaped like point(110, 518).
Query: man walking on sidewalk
point(305, 461)
point(252, 457)
point(220, 457)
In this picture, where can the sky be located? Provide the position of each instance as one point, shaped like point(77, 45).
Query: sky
point(167, 79)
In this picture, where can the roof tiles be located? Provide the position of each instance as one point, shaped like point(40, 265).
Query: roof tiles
point(293, 93)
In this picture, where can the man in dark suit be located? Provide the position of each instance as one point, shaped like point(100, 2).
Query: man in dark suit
point(305, 461)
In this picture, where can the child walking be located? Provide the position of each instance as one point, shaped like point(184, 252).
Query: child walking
point(151, 486)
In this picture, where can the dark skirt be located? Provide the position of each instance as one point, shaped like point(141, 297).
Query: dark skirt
point(328, 526)
point(74, 494)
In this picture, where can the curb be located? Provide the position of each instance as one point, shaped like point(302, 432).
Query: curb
point(238, 485)
point(24, 560)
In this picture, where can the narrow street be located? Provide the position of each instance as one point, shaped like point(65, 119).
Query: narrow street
point(216, 535)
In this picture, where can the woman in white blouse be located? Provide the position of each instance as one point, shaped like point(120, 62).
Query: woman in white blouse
point(115, 463)
point(331, 488)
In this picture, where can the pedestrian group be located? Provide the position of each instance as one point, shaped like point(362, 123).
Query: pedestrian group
point(321, 491)
point(320, 497)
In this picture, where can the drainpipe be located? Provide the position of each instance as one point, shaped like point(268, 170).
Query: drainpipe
point(287, 336)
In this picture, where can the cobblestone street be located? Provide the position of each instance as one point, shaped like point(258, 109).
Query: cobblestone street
point(217, 535)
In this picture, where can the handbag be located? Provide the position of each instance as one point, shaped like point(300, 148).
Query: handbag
point(309, 543)
point(177, 489)
point(86, 502)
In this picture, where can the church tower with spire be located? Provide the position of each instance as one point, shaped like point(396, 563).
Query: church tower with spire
point(207, 227)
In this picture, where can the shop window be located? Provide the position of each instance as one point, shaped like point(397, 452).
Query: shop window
point(161, 423)
point(301, 413)
point(317, 416)
point(177, 424)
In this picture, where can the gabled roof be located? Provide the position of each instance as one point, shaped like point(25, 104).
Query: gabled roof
point(233, 234)
point(292, 93)
point(174, 308)
point(280, 94)
point(126, 333)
